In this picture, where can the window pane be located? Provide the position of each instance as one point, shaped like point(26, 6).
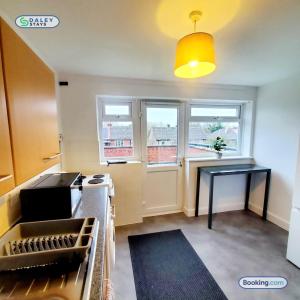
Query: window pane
point(118, 110)
point(202, 135)
point(214, 111)
point(162, 135)
point(117, 139)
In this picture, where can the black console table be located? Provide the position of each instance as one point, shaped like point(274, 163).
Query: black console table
point(248, 169)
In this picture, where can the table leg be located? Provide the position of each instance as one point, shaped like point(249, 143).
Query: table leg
point(266, 198)
point(197, 192)
point(211, 195)
point(248, 185)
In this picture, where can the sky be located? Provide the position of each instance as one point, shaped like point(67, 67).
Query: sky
point(162, 116)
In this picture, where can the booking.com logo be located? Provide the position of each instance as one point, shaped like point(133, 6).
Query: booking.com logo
point(37, 21)
point(263, 282)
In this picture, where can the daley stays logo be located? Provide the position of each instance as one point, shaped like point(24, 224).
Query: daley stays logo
point(37, 21)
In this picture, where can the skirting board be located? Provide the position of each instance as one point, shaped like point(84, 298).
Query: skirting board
point(149, 215)
point(271, 217)
point(203, 210)
point(239, 206)
point(162, 213)
point(130, 223)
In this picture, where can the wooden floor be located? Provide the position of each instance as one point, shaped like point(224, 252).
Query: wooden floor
point(240, 244)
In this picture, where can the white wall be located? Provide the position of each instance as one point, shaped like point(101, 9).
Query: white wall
point(276, 144)
point(79, 128)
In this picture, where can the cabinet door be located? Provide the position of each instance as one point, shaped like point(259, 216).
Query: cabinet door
point(6, 165)
point(30, 89)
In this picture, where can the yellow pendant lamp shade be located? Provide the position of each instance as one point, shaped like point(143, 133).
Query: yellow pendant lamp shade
point(195, 54)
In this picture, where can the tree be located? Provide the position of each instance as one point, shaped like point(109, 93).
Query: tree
point(213, 127)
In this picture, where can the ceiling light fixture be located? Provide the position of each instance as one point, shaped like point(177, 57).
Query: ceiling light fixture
point(195, 54)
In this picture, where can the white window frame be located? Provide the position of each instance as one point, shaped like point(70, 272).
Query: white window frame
point(137, 113)
point(134, 113)
point(238, 118)
point(117, 118)
point(180, 128)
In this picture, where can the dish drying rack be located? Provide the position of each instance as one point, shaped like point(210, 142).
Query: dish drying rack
point(46, 242)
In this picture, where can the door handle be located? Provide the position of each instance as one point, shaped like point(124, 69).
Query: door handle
point(52, 156)
point(5, 177)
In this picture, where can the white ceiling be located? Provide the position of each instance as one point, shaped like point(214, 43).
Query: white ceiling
point(122, 38)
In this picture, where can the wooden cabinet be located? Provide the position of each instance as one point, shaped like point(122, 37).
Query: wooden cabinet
point(7, 182)
point(30, 95)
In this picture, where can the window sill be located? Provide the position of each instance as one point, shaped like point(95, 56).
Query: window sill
point(186, 159)
point(154, 167)
point(225, 158)
point(104, 163)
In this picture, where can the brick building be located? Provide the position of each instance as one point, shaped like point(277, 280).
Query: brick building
point(162, 141)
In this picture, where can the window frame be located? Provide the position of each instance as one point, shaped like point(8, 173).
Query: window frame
point(180, 128)
point(115, 117)
point(137, 112)
point(134, 109)
point(205, 119)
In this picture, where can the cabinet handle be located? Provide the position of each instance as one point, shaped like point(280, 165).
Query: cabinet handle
point(5, 177)
point(52, 156)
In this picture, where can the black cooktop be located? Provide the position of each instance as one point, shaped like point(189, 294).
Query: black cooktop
point(95, 181)
point(98, 176)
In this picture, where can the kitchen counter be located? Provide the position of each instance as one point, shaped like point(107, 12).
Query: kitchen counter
point(94, 203)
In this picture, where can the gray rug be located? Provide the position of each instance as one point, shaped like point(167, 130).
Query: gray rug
point(166, 267)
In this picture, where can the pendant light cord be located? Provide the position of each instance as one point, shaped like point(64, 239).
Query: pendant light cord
point(195, 16)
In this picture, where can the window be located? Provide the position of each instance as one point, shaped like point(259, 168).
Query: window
point(206, 122)
point(161, 133)
point(198, 111)
point(117, 128)
point(154, 131)
point(117, 110)
point(117, 139)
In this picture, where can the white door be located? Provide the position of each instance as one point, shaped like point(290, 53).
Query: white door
point(162, 132)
